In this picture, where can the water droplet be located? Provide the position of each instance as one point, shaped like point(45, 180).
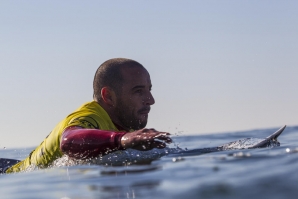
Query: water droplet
point(177, 159)
point(288, 150)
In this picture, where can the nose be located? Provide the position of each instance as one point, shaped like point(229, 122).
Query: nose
point(149, 99)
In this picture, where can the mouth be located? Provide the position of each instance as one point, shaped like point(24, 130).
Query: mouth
point(144, 111)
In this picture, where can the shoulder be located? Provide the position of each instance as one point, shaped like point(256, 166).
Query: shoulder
point(85, 121)
point(90, 115)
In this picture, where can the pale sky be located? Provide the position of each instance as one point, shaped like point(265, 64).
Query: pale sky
point(216, 66)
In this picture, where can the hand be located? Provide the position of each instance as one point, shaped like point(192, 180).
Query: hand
point(145, 139)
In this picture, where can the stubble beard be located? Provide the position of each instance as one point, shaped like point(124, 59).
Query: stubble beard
point(128, 118)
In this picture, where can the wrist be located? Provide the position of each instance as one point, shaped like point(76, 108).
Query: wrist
point(119, 141)
point(124, 142)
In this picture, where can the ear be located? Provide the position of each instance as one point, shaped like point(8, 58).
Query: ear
point(108, 96)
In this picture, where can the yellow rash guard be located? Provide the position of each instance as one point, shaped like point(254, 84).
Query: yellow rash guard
point(90, 115)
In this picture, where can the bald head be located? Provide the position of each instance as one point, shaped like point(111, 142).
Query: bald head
point(109, 74)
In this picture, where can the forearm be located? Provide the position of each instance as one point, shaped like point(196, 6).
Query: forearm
point(83, 143)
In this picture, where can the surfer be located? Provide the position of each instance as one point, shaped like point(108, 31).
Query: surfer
point(114, 120)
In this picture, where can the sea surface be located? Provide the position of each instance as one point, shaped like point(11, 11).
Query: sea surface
point(270, 172)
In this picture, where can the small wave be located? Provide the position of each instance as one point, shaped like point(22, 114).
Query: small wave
point(118, 158)
point(248, 143)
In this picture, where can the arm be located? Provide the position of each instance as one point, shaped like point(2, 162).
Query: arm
point(81, 143)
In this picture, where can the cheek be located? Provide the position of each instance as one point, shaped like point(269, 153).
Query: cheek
point(128, 106)
point(136, 101)
point(132, 104)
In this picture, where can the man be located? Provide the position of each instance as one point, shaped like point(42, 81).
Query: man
point(115, 120)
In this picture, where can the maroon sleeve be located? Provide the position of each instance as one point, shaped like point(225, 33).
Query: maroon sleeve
point(82, 143)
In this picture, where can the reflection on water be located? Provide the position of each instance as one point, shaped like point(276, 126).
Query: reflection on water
point(129, 170)
point(127, 191)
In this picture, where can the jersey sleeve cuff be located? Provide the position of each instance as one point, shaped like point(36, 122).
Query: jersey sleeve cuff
point(117, 140)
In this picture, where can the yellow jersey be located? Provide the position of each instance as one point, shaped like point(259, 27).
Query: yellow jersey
point(90, 115)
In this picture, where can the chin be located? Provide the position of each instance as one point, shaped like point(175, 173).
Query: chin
point(139, 122)
point(143, 125)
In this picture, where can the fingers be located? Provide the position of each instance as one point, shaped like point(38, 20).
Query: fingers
point(160, 139)
point(164, 137)
point(158, 144)
point(146, 139)
point(162, 134)
point(150, 145)
point(154, 134)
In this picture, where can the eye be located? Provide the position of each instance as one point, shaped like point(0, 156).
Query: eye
point(139, 91)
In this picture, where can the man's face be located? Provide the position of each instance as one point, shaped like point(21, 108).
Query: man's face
point(135, 98)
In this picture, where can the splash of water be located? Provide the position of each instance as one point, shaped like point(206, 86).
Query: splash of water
point(118, 158)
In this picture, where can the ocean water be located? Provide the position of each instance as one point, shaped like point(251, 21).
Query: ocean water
point(270, 172)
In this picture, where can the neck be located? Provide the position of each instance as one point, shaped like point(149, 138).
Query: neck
point(111, 112)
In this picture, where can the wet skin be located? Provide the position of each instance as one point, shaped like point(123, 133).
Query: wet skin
point(133, 103)
point(130, 107)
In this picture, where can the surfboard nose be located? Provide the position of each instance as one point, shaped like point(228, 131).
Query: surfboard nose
point(276, 133)
point(271, 140)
